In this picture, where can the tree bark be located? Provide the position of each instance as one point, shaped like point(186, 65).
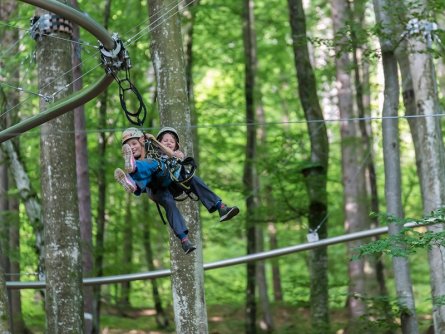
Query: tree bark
point(83, 182)
point(127, 251)
point(102, 193)
point(63, 261)
point(421, 99)
point(315, 174)
point(168, 62)
point(391, 154)
point(276, 274)
point(161, 316)
point(355, 200)
point(250, 178)
point(189, 13)
point(29, 198)
point(4, 304)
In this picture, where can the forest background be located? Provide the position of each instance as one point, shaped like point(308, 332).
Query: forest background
point(214, 42)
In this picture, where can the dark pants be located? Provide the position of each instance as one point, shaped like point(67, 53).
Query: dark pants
point(164, 197)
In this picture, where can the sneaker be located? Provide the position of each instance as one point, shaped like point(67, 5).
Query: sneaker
point(125, 180)
point(187, 246)
point(129, 162)
point(227, 212)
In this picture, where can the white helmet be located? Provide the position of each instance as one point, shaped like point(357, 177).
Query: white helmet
point(131, 133)
point(169, 130)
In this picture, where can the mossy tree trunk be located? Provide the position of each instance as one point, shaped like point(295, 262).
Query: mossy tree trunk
point(315, 174)
point(168, 62)
point(421, 99)
point(60, 212)
point(391, 151)
point(356, 210)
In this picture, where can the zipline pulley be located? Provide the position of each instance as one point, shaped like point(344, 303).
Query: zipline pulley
point(117, 60)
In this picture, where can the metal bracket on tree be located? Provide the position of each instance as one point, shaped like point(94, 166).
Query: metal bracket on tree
point(114, 61)
point(49, 23)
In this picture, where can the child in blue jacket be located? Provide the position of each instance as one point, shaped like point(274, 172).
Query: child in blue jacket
point(151, 175)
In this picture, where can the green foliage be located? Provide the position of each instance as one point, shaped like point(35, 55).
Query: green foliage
point(382, 314)
point(409, 240)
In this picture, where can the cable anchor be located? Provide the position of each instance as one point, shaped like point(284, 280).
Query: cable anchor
point(116, 60)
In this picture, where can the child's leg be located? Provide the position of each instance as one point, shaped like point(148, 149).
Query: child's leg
point(211, 201)
point(208, 198)
point(174, 216)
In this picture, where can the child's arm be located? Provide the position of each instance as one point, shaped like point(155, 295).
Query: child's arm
point(164, 148)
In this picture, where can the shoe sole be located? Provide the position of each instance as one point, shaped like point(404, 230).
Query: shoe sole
point(123, 180)
point(129, 162)
point(191, 249)
point(229, 215)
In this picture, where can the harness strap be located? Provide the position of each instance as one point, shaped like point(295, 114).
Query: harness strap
point(160, 213)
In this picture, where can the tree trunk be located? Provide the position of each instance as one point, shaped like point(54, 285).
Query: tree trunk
point(250, 178)
point(8, 39)
point(375, 275)
point(83, 183)
point(17, 322)
point(4, 305)
point(161, 316)
point(276, 275)
point(391, 153)
point(355, 202)
point(316, 174)
point(63, 261)
point(168, 61)
point(127, 250)
point(102, 193)
point(4, 221)
point(188, 14)
point(420, 97)
point(30, 200)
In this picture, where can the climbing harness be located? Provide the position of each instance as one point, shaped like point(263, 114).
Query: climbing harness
point(180, 173)
point(114, 61)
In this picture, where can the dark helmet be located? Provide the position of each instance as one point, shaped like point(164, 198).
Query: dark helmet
point(131, 133)
point(168, 129)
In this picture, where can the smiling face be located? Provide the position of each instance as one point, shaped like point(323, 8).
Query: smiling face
point(169, 140)
point(136, 148)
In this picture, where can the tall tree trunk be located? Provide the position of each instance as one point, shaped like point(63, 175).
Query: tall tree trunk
point(250, 178)
point(63, 262)
point(168, 61)
point(161, 316)
point(316, 174)
point(127, 251)
point(375, 276)
point(354, 186)
point(17, 322)
point(29, 198)
point(189, 13)
point(276, 275)
point(83, 182)
point(420, 98)
point(102, 193)
point(4, 221)
point(8, 39)
point(4, 304)
point(391, 152)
